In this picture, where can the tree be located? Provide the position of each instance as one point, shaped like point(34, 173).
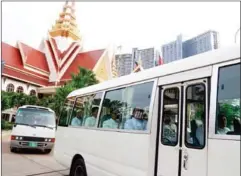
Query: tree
point(13, 99)
point(83, 78)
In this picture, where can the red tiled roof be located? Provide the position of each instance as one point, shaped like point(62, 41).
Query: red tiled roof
point(34, 57)
point(87, 60)
point(55, 48)
point(25, 77)
point(12, 57)
point(61, 55)
point(52, 54)
point(74, 51)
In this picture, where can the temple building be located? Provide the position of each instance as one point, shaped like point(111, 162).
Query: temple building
point(40, 71)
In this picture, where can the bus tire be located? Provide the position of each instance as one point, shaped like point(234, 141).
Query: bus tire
point(78, 168)
point(13, 150)
point(47, 151)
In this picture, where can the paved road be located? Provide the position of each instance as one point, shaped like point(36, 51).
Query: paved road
point(26, 163)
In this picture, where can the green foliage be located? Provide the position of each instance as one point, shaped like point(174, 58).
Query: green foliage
point(13, 99)
point(84, 78)
point(5, 125)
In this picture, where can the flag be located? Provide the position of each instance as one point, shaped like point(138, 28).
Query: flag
point(160, 60)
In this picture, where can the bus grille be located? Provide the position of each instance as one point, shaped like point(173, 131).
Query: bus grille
point(37, 139)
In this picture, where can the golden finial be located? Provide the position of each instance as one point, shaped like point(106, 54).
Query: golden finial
point(66, 25)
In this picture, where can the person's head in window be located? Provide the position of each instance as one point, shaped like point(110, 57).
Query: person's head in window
point(114, 114)
point(138, 113)
point(222, 121)
point(167, 119)
point(79, 114)
point(94, 111)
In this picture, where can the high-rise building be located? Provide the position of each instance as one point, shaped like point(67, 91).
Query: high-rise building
point(124, 64)
point(200, 44)
point(147, 56)
point(180, 49)
point(172, 51)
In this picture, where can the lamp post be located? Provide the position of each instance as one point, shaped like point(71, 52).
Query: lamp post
point(235, 37)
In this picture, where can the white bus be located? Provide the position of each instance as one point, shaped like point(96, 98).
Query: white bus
point(177, 119)
point(34, 128)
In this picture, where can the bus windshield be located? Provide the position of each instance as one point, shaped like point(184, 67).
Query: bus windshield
point(35, 117)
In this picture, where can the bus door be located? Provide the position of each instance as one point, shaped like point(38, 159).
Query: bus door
point(182, 147)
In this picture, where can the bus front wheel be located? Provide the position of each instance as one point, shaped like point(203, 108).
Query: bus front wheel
point(78, 168)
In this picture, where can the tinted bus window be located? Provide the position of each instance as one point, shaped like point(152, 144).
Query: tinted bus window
point(228, 101)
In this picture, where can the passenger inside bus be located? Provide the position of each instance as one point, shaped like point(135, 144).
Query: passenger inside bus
point(169, 129)
point(78, 120)
point(136, 121)
point(222, 124)
point(90, 121)
point(236, 126)
point(113, 121)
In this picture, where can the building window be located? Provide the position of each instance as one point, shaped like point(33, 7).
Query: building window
point(32, 92)
point(10, 88)
point(20, 89)
point(228, 101)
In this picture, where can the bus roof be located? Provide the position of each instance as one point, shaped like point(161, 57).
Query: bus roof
point(37, 107)
point(193, 62)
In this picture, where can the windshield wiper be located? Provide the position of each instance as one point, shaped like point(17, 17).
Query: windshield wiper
point(45, 126)
point(25, 124)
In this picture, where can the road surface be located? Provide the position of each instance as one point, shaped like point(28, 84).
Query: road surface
point(28, 163)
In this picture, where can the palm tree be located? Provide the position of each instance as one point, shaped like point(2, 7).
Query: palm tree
point(84, 78)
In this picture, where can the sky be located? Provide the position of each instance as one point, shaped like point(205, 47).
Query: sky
point(130, 24)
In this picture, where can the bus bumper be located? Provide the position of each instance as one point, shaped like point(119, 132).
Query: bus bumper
point(31, 145)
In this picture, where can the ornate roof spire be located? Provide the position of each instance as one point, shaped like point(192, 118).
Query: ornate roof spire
point(66, 25)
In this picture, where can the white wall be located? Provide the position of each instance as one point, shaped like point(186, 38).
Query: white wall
point(16, 84)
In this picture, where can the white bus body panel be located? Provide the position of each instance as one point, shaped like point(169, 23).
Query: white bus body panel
point(223, 157)
point(105, 153)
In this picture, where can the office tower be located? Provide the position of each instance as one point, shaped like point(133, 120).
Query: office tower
point(124, 64)
point(180, 49)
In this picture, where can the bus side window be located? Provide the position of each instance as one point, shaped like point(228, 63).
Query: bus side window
point(86, 110)
point(228, 101)
point(111, 109)
point(137, 100)
point(78, 113)
point(91, 109)
point(66, 112)
point(170, 117)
